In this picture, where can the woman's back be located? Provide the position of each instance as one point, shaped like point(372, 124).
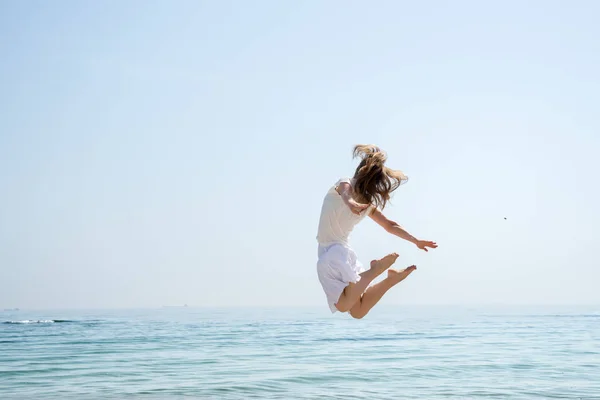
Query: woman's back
point(337, 220)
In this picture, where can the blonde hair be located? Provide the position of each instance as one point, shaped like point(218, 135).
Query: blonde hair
point(373, 181)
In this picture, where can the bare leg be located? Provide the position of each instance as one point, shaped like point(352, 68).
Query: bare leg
point(354, 291)
point(376, 292)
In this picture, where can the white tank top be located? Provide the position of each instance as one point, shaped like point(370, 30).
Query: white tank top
point(337, 221)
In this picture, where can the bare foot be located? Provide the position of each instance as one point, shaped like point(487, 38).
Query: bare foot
point(381, 265)
point(399, 276)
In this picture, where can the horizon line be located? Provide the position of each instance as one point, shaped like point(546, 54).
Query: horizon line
point(208, 307)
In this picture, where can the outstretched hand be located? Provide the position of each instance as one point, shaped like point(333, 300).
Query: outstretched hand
point(424, 244)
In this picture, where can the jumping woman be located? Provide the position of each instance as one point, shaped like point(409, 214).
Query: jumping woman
point(346, 283)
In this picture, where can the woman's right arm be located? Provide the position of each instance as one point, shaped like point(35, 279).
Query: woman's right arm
point(345, 191)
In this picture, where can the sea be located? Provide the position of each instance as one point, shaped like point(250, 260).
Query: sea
point(396, 352)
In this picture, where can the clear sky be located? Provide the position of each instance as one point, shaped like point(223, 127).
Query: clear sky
point(168, 152)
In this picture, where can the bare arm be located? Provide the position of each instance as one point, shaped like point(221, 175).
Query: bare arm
point(395, 229)
point(345, 191)
point(392, 226)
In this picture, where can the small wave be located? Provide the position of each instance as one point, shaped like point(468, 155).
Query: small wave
point(37, 321)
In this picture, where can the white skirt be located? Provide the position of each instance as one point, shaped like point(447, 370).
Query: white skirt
point(337, 267)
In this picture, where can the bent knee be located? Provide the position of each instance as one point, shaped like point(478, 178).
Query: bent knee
point(342, 307)
point(357, 314)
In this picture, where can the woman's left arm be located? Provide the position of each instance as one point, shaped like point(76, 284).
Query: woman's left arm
point(395, 229)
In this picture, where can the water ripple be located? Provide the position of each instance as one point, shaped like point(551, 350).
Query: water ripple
point(239, 354)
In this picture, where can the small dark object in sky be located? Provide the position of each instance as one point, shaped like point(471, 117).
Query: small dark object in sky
point(504, 217)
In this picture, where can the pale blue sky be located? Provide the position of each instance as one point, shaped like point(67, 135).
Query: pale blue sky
point(168, 152)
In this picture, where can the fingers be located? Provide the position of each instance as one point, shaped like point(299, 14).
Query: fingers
point(426, 244)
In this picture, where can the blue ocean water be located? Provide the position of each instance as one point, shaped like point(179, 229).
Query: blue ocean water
point(394, 353)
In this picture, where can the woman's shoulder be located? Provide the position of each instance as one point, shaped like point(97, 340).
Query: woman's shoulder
point(340, 181)
point(344, 180)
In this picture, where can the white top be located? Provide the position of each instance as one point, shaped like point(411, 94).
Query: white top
point(337, 221)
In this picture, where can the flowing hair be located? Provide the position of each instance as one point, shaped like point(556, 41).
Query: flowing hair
point(374, 182)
